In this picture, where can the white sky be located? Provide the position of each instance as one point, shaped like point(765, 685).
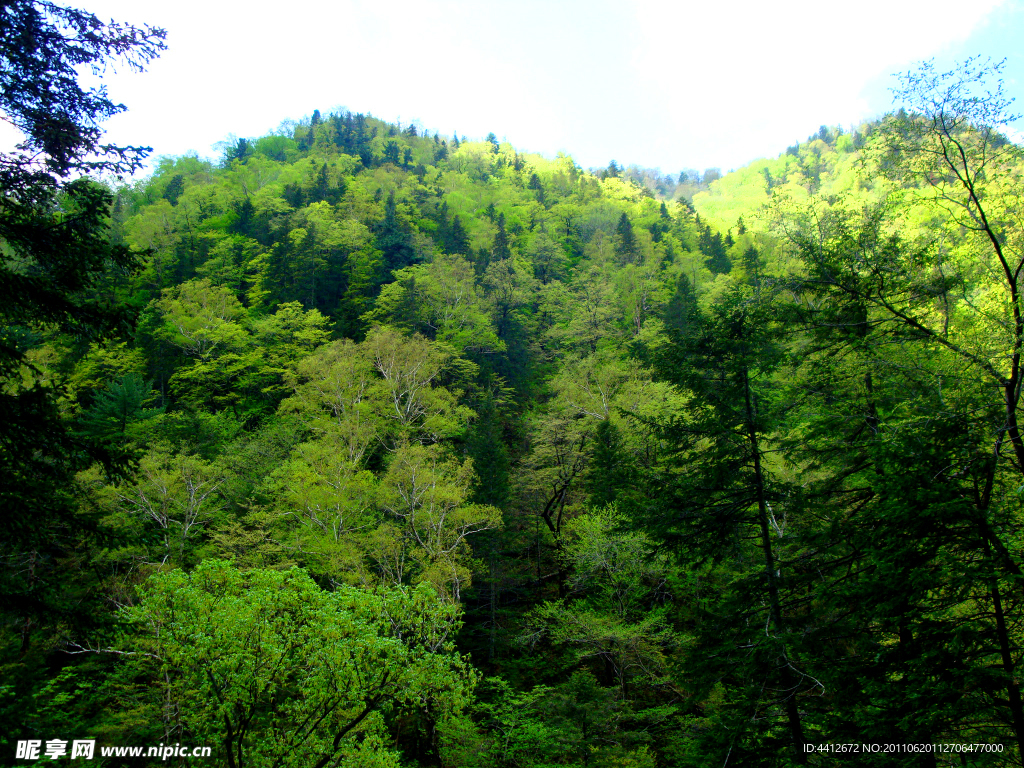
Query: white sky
point(663, 84)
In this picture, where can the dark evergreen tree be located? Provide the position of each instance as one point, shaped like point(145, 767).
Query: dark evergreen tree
point(610, 474)
point(122, 403)
point(628, 249)
point(906, 584)
point(753, 264)
point(486, 446)
point(174, 188)
point(711, 245)
point(294, 195)
point(241, 151)
point(501, 250)
point(681, 311)
point(907, 469)
point(458, 238)
point(245, 223)
point(321, 185)
point(536, 186)
point(391, 152)
point(716, 500)
point(393, 239)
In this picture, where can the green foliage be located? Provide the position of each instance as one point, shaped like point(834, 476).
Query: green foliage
point(278, 672)
point(566, 725)
point(711, 480)
point(59, 272)
point(116, 408)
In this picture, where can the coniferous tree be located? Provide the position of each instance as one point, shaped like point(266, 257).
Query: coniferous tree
point(711, 245)
point(609, 476)
point(174, 188)
point(720, 499)
point(681, 311)
point(392, 238)
point(629, 251)
point(391, 152)
point(501, 250)
point(537, 187)
point(458, 238)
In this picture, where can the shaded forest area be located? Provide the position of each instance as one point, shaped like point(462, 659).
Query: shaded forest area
point(371, 447)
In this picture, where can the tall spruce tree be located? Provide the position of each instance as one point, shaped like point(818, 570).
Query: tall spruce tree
point(721, 504)
point(393, 239)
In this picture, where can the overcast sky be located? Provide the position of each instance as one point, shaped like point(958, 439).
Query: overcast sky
point(663, 84)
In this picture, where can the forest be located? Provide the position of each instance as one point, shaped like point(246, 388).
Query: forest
point(367, 446)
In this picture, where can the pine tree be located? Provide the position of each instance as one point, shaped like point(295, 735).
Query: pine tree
point(610, 474)
point(393, 239)
point(174, 188)
point(486, 447)
point(719, 497)
point(120, 404)
point(501, 250)
point(628, 249)
point(458, 238)
point(536, 186)
point(321, 185)
point(681, 311)
point(711, 245)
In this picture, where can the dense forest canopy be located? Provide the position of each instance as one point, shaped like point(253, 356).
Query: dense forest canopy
point(367, 446)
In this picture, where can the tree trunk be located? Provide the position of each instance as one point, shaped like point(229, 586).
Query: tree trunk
point(788, 682)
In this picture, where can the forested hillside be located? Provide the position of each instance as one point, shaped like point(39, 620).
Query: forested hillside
point(417, 450)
